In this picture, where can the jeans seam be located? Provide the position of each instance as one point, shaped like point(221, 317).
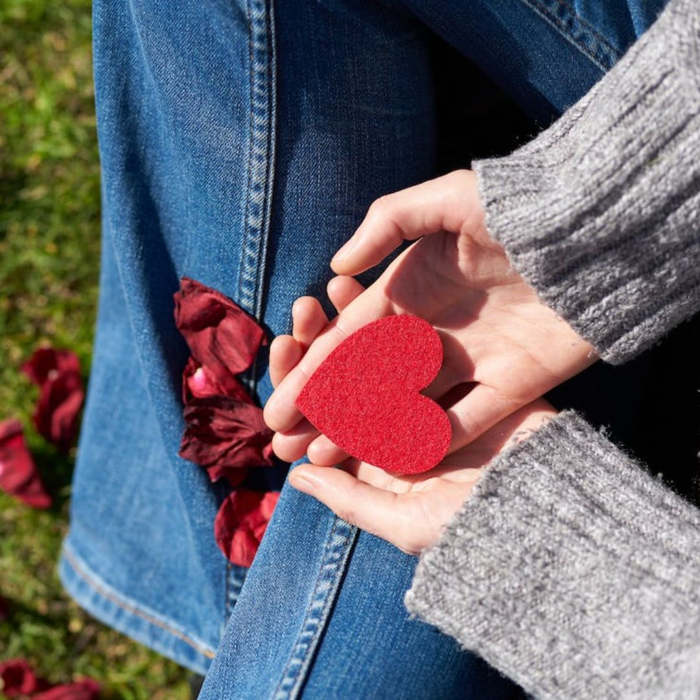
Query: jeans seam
point(605, 49)
point(258, 201)
point(330, 572)
point(260, 156)
point(590, 27)
point(131, 608)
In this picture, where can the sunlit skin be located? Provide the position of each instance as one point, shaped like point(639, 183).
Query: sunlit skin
point(503, 349)
point(411, 511)
point(500, 341)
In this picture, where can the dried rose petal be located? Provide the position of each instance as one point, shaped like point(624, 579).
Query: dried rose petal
point(225, 435)
point(58, 409)
point(200, 383)
point(46, 363)
point(57, 372)
point(18, 474)
point(18, 678)
point(86, 689)
point(221, 336)
point(241, 523)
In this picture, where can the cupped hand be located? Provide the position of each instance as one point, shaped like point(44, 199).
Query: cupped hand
point(408, 511)
point(503, 347)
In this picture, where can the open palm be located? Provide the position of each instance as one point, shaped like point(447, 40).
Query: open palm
point(503, 347)
point(412, 511)
point(408, 511)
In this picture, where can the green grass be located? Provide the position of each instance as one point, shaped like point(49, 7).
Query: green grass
point(49, 258)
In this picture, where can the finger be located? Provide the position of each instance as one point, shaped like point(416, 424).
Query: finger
point(292, 445)
point(342, 290)
point(478, 411)
point(457, 369)
point(285, 352)
point(281, 413)
point(515, 427)
point(446, 203)
point(380, 512)
point(324, 452)
point(309, 319)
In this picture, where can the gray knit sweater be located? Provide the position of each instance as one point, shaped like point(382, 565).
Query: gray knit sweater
point(570, 568)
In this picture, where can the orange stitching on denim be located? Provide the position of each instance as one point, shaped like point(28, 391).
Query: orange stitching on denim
point(80, 571)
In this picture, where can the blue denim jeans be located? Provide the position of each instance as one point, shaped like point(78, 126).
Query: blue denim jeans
point(241, 143)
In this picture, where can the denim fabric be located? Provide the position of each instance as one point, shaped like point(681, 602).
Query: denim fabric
point(241, 147)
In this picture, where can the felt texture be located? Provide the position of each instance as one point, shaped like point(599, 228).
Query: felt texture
point(365, 396)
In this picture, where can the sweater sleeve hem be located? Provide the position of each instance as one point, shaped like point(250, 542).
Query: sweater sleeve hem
point(571, 570)
point(600, 212)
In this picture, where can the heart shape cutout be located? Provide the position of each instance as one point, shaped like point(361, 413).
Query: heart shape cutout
point(365, 396)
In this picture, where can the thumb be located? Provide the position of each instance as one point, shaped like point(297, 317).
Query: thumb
point(447, 203)
point(370, 508)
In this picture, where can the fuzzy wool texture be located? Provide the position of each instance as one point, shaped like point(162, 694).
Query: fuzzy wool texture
point(365, 396)
point(601, 212)
point(570, 569)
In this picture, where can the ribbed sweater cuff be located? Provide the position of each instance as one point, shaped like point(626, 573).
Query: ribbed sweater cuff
point(571, 570)
point(601, 212)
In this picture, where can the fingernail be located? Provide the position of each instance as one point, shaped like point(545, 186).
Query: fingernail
point(302, 481)
point(345, 250)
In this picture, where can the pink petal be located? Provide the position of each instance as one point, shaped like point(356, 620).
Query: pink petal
point(200, 383)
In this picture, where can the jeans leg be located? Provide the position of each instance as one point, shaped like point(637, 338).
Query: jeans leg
point(179, 167)
point(321, 613)
point(339, 629)
point(545, 54)
point(212, 170)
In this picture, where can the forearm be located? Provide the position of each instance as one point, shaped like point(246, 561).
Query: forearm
point(601, 213)
point(572, 571)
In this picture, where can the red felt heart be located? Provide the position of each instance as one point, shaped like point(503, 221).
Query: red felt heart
point(365, 398)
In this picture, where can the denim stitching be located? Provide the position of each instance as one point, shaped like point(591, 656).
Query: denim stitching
point(590, 27)
point(332, 567)
point(575, 30)
point(256, 217)
point(260, 156)
point(100, 588)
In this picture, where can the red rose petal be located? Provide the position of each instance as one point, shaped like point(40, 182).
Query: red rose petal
point(241, 523)
point(200, 383)
point(86, 689)
point(18, 474)
point(58, 408)
point(18, 678)
point(46, 363)
point(57, 372)
point(225, 435)
point(221, 336)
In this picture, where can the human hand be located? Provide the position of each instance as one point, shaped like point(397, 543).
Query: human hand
point(408, 511)
point(503, 347)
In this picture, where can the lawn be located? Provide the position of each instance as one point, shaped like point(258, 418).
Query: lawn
point(49, 257)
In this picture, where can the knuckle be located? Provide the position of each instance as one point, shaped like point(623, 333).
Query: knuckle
point(462, 177)
point(347, 513)
point(410, 544)
point(380, 207)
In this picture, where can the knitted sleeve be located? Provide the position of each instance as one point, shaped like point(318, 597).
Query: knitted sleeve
point(572, 571)
point(601, 212)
